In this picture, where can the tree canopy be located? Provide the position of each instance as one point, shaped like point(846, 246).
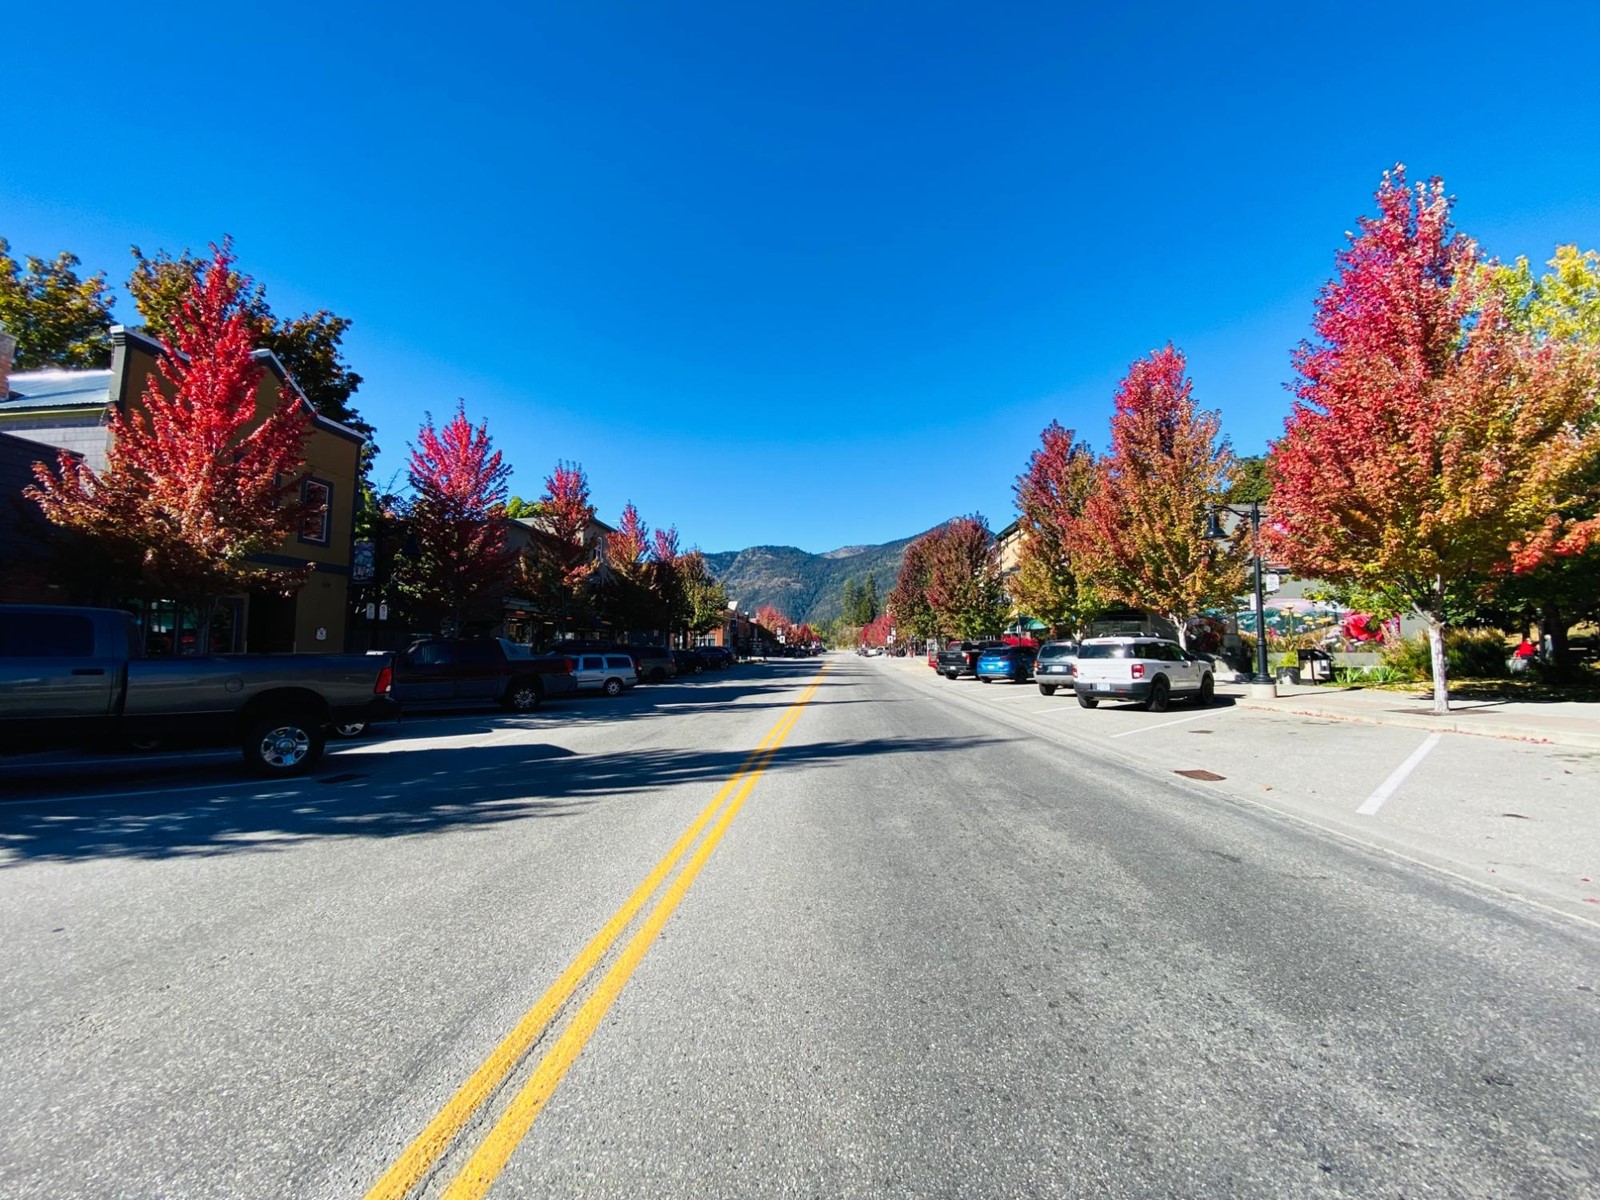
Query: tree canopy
point(195, 482)
point(1142, 536)
point(1434, 443)
point(59, 318)
point(310, 346)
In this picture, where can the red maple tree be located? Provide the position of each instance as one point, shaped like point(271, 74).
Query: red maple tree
point(908, 601)
point(876, 631)
point(1051, 494)
point(1142, 536)
point(197, 480)
point(559, 564)
point(627, 600)
point(1432, 438)
point(461, 557)
point(963, 581)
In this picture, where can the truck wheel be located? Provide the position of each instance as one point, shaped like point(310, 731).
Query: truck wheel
point(1159, 690)
point(1087, 701)
point(1208, 691)
point(613, 687)
point(283, 745)
point(522, 696)
point(952, 674)
point(1047, 689)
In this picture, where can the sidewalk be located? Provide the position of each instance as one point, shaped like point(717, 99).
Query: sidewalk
point(1560, 723)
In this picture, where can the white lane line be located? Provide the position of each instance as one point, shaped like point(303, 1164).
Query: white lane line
point(1180, 721)
point(1388, 786)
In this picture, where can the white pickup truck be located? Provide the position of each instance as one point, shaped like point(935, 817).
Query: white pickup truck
point(1151, 670)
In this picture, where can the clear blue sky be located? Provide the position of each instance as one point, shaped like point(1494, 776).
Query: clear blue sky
point(805, 274)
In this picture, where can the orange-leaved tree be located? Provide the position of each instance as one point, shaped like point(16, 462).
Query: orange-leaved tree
point(963, 582)
point(908, 600)
point(1142, 536)
point(558, 567)
point(197, 481)
point(1434, 442)
point(1051, 494)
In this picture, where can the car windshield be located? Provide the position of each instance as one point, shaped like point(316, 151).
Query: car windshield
point(1057, 650)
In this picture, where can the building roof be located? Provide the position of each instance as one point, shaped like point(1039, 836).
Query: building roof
point(57, 389)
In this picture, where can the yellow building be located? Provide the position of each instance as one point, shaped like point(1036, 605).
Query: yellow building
point(69, 410)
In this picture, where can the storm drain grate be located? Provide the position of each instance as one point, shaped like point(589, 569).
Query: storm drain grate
point(1203, 776)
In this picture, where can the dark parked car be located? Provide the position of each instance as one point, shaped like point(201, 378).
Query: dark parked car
point(688, 663)
point(442, 671)
point(654, 664)
point(961, 658)
point(713, 658)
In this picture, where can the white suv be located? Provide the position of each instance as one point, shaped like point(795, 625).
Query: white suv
point(1140, 668)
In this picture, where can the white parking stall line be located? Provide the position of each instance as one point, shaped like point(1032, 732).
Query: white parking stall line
point(1388, 787)
point(1180, 721)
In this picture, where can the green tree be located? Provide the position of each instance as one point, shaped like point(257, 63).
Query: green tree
point(310, 346)
point(59, 318)
point(707, 598)
point(851, 601)
point(870, 610)
point(1249, 481)
point(1559, 308)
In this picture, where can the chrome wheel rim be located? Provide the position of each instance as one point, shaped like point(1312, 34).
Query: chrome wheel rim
point(285, 746)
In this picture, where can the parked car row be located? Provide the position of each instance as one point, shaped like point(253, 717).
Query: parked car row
point(79, 677)
point(1149, 670)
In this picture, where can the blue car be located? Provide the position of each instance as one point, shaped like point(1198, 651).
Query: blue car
point(1006, 662)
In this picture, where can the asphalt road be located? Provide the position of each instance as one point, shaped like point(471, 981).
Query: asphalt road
point(913, 946)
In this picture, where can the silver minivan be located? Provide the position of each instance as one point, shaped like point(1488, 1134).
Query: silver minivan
point(608, 673)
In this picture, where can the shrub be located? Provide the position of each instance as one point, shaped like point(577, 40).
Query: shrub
point(1469, 653)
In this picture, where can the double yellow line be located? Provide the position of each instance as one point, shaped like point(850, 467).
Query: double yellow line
point(418, 1159)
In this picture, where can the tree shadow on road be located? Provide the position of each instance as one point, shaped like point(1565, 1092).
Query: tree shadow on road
point(376, 792)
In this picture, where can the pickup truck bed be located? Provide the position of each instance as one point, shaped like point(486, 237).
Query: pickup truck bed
point(962, 658)
point(76, 676)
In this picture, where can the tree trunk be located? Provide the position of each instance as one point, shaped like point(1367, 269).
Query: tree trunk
point(1182, 627)
point(1441, 666)
point(1554, 626)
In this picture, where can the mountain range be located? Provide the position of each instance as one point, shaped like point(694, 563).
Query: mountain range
point(804, 586)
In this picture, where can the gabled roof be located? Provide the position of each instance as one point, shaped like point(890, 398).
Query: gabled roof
point(57, 389)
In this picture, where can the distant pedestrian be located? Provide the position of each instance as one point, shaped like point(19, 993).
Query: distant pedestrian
point(1522, 656)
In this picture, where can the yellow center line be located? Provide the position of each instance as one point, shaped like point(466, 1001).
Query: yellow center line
point(491, 1156)
point(427, 1147)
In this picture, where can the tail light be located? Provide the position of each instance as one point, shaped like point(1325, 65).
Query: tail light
point(385, 682)
point(572, 667)
point(1138, 670)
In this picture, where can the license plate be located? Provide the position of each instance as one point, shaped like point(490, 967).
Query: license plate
point(1102, 687)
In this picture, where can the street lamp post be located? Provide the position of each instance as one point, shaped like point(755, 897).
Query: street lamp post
point(1215, 532)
